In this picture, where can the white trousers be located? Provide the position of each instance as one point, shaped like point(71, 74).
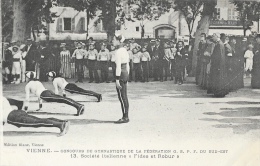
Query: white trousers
point(23, 70)
point(16, 68)
point(249, 64)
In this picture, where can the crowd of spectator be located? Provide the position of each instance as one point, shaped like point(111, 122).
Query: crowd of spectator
point(222, 61)
point(152, 60)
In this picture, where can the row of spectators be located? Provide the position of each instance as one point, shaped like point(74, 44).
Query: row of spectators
point(156, 59)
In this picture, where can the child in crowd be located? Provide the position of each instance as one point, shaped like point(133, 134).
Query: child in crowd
point(16, 68)
point(92, 63)
point(249, 60)
point(137, 64)
point(103, 58)
point(145, 57)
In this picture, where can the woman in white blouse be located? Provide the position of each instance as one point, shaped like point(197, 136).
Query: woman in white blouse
point(122, 75)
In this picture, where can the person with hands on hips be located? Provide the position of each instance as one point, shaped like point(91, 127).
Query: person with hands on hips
point(122, 75)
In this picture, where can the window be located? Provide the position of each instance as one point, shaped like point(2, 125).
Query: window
point(217, 14)
point(137, 29)
point(232, 14)
point(67, 24)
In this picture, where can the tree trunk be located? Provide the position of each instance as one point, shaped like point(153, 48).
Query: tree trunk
point(112, 23)
point(203, 27)
point(19, 25)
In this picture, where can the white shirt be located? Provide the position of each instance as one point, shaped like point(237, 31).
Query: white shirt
point(18, 55)
point(103, 55)
point(61, 83)
point(122, 57)
point(6, 108)
point(79, 53)
point(145, 56)
point(113, 56)
point(249, 54)
point(137, 57)
point(173, 52)
point(34, 87)
point(92, 54)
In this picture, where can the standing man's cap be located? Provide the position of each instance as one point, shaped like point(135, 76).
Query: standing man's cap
point(158, 40)
point(13, 41)
point(152, 41)
point(29, 39)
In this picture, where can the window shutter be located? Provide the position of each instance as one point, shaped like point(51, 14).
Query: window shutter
point(59, 24)
point(73, 24)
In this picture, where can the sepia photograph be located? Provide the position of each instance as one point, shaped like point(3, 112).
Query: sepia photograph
point(130, 83)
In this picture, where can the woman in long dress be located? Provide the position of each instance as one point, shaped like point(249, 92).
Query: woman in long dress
point(255, 82)
point(65, 57)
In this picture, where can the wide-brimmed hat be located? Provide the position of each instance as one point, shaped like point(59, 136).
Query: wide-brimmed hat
point(15, 46)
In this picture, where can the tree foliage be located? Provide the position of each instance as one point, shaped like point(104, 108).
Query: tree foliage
point(190, 10)
point(7, 18)
point(249, 11)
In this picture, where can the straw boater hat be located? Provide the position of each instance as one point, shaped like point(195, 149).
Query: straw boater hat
point(15, 46)
point(63, 45)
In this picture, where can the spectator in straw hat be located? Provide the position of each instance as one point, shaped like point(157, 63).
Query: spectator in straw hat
point(79, 56)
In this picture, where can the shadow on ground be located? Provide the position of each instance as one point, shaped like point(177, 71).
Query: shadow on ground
point(238, 119)
point(28, 133)
point(87, 121)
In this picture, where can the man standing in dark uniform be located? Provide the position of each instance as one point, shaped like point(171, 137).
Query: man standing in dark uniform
point(218, 73)
point(30, 59)
point(44, 61)
point(155, 57)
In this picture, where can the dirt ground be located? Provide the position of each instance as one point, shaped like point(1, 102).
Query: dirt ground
point(170, 124)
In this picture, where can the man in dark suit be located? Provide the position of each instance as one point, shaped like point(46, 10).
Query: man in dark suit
point(157, 57)
point(30, 59)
